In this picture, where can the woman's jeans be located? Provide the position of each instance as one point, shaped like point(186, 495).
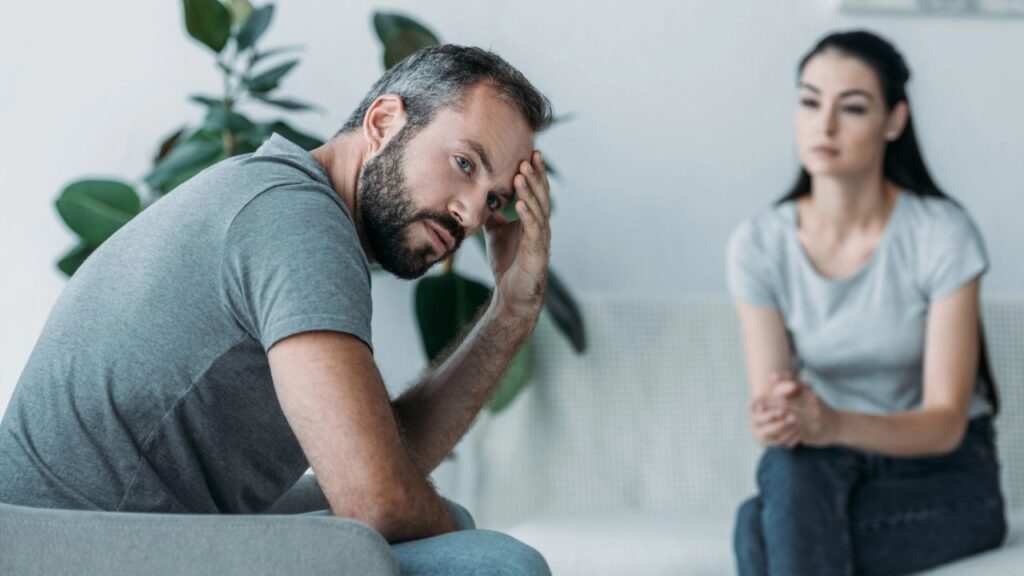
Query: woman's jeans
point(824, 511)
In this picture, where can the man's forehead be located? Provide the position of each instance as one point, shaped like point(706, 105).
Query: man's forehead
point(489, 124)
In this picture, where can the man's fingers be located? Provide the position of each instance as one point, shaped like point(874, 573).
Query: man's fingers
point(537, 176)
point(527, 193)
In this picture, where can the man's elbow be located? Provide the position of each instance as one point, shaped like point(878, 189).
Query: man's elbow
point(395, 514)
point(384, 511)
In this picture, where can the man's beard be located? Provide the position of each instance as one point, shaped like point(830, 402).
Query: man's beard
point(388, 216)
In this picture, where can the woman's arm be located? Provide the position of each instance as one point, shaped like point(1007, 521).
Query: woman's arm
point(768, 361)
point(950, 374)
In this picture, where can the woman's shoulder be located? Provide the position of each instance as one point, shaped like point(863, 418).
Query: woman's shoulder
point(768, 226)
point(928, 213)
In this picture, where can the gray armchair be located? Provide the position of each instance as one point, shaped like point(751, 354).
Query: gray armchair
point(45, 542)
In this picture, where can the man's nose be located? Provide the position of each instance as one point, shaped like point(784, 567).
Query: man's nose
point(468, 210)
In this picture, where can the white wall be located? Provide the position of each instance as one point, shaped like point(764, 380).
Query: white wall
point(682, 126)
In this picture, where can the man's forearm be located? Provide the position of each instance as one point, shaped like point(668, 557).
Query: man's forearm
point(436, 412)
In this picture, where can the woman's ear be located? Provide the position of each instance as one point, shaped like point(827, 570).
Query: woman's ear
point(384, 118)
point(897, 121)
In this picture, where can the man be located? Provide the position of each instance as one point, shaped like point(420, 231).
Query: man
point(219, 344)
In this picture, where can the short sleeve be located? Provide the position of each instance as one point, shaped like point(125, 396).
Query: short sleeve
point(748, 267)
point(956, 251)
point(292, 263)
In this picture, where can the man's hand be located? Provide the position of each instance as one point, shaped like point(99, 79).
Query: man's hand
point(518, 251)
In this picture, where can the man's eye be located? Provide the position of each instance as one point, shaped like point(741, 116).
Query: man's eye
point(464, 164)
point(493, 202)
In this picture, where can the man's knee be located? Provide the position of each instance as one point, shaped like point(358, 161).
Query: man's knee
point(462, 518)
point(503, 555)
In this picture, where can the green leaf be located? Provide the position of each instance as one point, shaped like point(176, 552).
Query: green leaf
point(168, 144)
point(240, 11)
point(558, 301)
point(208, 101)
point(267, 81)
point(401, 36)
point(219, 118)
point(512, 381)
point(184, 156)
point(95, 209)
point(74, 259)
point(273, 52)
point(263, 131)
point(285, 103)
point(254, 27)
point(209, 22)
point(186, 173)
point(444, 305)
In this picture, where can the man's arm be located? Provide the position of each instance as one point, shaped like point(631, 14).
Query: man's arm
point(335, 402)
point(438, 410)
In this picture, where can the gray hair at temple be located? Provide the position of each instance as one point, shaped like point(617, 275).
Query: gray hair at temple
point(434, 79)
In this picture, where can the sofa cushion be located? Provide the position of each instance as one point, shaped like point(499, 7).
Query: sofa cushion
point(690, 543)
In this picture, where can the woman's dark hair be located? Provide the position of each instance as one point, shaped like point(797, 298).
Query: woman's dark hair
point(903, 163)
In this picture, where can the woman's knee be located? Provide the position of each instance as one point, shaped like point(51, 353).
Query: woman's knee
point(798, 469)
point(747, 533)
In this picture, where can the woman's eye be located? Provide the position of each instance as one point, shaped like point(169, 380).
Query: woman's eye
point(493, 202)
point(855, 109)
point(808, 103)
point(464, 164)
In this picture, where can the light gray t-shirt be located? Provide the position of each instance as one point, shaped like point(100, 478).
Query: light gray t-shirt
point(149, 388)
point(859, 340)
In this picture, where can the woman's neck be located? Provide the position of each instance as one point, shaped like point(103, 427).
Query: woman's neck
point(843, 206)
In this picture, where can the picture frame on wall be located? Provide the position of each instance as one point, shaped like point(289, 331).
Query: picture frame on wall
point(997, 8)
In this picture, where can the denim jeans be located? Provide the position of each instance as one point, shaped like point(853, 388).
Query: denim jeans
point(466, 552)
point(824, 511)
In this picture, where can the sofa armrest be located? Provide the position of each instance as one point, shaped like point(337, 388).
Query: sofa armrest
point(38, 542)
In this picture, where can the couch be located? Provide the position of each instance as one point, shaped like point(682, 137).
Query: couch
point(632, 459)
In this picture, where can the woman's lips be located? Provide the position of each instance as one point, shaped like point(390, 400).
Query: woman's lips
point(825, 150)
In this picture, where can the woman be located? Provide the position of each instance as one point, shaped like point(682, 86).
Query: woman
point(858, 302)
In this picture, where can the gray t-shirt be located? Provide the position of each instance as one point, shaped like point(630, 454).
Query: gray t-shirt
point(859, 340)
point(149, 388)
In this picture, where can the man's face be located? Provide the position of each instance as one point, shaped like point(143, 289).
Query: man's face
point(420, 197)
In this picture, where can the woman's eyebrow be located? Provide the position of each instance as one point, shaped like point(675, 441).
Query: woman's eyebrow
point(843, 94)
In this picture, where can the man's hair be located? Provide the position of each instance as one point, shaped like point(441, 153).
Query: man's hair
point(434, 79)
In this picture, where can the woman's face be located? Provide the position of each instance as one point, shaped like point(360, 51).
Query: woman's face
point(842, 123)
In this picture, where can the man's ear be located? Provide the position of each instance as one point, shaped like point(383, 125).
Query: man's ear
point(384, 118)
point(897, 121)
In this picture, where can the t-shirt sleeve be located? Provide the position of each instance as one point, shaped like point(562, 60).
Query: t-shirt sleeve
point(292, 263)
point(956, 252)
point(748, 267)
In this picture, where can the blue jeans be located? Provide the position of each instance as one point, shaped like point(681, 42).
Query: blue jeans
point(466, 552)
point(824, 511)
